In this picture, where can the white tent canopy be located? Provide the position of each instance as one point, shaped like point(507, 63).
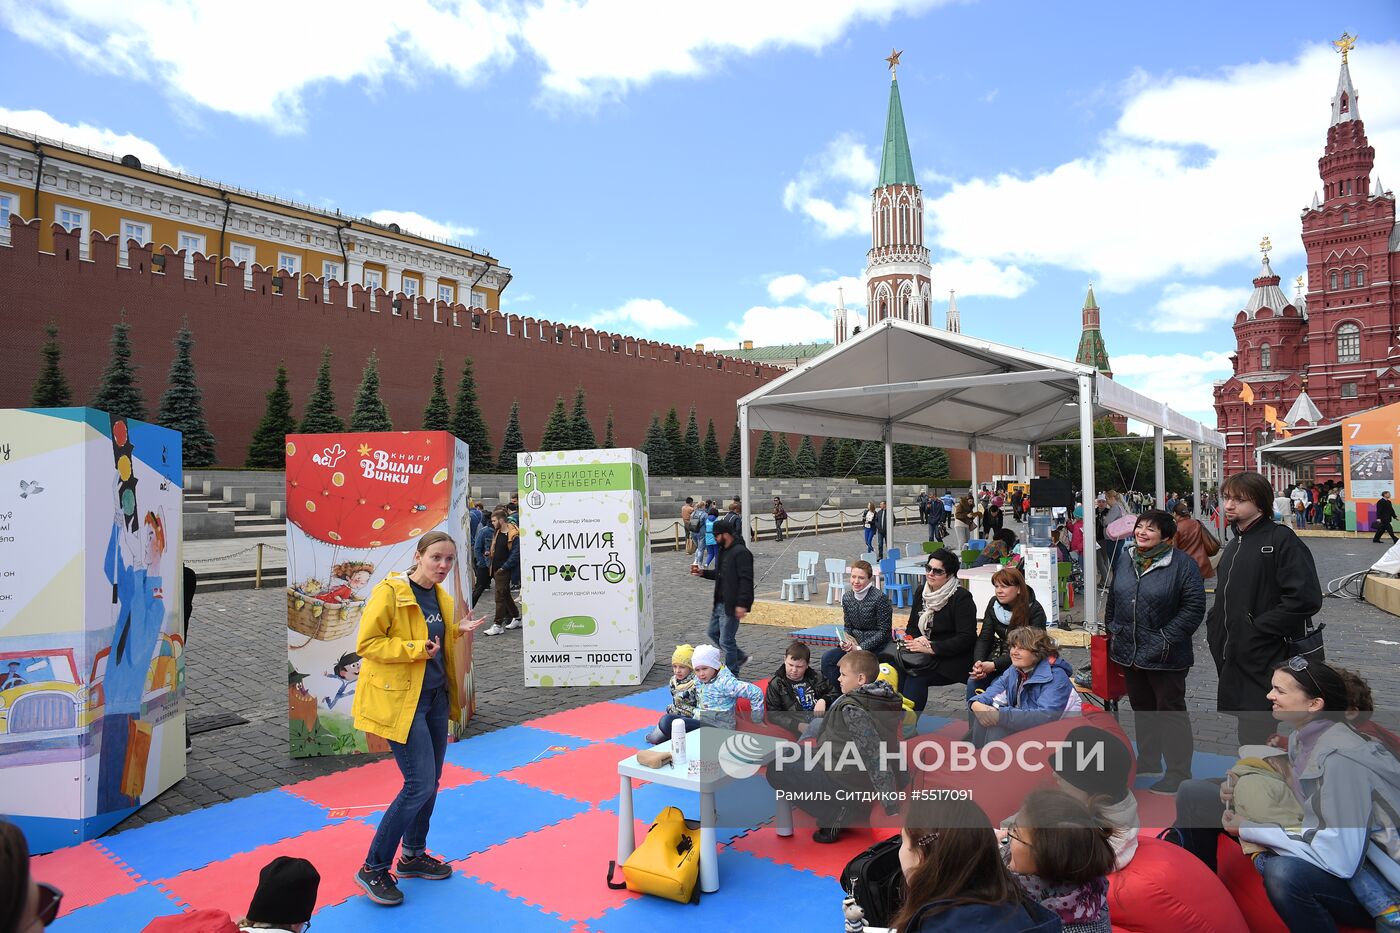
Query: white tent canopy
point(899, 382)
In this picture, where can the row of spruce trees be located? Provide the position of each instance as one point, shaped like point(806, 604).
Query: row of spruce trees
point(670, 451)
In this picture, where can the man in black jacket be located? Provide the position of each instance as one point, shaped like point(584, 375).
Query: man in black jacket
point(1385, 514)
point(733, 576)
point(1265, 594)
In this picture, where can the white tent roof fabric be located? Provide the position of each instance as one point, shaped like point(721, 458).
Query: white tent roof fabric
point(945, 389)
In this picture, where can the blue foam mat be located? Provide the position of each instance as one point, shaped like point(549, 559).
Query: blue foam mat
point(125, 913)
point(504, 749)
point(478, 816)
point(1204, 766)
point(442, 905)
point(741, 805)
point(194, 840)
point(749, 889)
point(657, 699)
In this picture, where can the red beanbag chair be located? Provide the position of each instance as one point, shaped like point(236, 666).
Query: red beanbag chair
point(1246, 886)
point(1166, 889)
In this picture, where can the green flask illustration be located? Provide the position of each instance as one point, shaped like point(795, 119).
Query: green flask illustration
point(613, 571)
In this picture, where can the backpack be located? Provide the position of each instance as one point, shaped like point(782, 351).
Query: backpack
point(667, 863)
point(697, 520)
point(876, 880)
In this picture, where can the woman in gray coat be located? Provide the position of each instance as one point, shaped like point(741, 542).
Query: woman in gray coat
point(1156, 603)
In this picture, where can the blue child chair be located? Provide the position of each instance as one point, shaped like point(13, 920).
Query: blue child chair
point(898, 592)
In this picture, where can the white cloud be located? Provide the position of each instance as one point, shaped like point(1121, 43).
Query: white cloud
point(642, 316)
point(599, 47)
point(771, 326)
point(98, 138)
point(822, 294)
point(979, 277)
point(414, 222)
point(821, 189)
point(1196, 170)
point(785, 286)
point(1182, 380)
point(1191, 309)
point(268, 54)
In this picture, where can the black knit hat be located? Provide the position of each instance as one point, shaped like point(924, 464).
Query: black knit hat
point(1083, 767)
point(286, 891)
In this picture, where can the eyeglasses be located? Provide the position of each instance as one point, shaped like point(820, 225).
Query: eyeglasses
point(937, 572)
point(1299, 665)
point(50, 898)
point(1011, 834)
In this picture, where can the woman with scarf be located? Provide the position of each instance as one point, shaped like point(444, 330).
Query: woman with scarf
point(1155, 604)
point(942, 629)
point(1013, 604)
point(869, 620)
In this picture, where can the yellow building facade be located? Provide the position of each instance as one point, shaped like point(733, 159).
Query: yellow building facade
point(117, 195)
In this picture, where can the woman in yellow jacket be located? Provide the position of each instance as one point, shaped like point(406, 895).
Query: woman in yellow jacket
point(407, 692)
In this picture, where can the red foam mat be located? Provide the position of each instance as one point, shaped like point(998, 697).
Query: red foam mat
point(572, 855)
point(597, 722)
point(588, 774)
point(799, 851)
point(85, 874)
point(363, 790)
point(337, 851)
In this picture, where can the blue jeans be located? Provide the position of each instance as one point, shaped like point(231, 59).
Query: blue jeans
point(831, 663)
point(1312, 899)
point(664, 725)
point(420, 760)
point(869, 538)
point(724, 631)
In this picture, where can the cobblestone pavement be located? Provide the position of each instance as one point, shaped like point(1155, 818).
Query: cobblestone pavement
point(237, 658)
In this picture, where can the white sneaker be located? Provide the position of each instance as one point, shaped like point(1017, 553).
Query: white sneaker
point(495, 629)
point(513, 624)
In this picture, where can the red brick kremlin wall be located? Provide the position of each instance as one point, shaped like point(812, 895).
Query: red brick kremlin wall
point(240, 334)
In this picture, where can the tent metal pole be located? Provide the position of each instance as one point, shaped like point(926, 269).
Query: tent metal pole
point(1159, 460)
point(972, 448)
point(1196, 509)
point(745, 507)
point(1086, 481)
point(889, 485)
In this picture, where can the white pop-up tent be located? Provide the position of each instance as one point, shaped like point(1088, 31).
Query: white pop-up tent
point(899, 382)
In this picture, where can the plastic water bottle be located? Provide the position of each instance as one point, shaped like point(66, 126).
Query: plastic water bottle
point(678, 743)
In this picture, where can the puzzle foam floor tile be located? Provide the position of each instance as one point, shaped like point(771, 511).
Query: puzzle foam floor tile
point(370, 787)
point(164, 849)
point(800, 852)
point(125, 913)
point(85, 875)
point(740, 805)
point(597, 722)
point(656, 699)
point(588, 774)
point(494, 752)
point(458, 903)
point(337, 851)
point(754, 894)
point(477, 816)
point(570, 854)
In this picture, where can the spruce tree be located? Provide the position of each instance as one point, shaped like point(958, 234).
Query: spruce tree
point(513, 442)
point(269, 447)
point(51, 388)
point(806, 462)
point(675, 441)
point(733, 454)
point(826, 462)
point(936, 462)
point(118, 394)
point(783, 465)
point(182, 406)
point(694, 453)
point(320, 416)
point(763, 461)
point(467, 423)
point(609, 442)
point(660, 461)
point(370, 414)
point(584, 438)
point(714, 463)
point(846, 452)
point(437, 416)
point(871, 458)
point(558, 430)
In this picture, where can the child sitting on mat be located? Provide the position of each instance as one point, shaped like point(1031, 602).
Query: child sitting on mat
point(683, 692)
point(717, 694)
point(796, 692)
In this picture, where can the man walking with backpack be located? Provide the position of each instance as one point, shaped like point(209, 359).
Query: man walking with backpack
point(1266, 594)
point(733, 576)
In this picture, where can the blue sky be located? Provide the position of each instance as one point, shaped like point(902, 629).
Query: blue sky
point(701, 172)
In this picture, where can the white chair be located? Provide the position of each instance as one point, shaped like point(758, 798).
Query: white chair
point(791, 586)
point(805, 578)
point(808, 560)
point(835, 578)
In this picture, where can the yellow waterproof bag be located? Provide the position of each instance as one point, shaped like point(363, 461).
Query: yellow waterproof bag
point(667, 863)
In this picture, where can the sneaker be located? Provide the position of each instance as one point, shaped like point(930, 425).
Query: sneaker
point(495, 629)
point(1166, 787)
point(1084, 678)
point(379, 886)
point(423, 866)
point(514, 624)
point(827, 835)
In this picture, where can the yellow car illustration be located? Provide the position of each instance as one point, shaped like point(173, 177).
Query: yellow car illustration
point(41, 696)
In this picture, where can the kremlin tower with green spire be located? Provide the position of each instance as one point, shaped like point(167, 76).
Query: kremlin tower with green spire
point(1092, 351)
